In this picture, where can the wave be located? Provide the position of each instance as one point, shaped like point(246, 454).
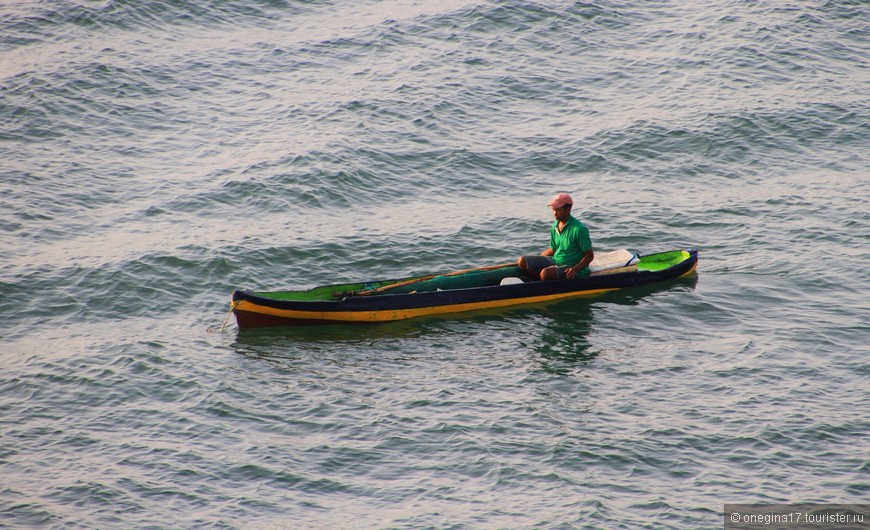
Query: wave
point(37, 21)
point(149, 284)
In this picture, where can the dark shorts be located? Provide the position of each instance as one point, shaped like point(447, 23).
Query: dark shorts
point(537, 263)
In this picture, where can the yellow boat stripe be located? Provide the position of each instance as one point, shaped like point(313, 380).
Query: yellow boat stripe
point(690, 271)
point(386, 315)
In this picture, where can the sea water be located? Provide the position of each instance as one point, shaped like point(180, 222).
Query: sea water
point(155, 155)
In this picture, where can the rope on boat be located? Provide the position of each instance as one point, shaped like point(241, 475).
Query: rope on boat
point(232, 308)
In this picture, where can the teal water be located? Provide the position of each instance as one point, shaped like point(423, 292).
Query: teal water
point(156, 155)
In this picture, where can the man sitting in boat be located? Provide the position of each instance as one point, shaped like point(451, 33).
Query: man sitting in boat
point(570, 250)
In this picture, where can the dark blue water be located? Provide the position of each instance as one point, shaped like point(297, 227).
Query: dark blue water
point(157, 155)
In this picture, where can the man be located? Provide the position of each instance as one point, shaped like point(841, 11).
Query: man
point(570, 250)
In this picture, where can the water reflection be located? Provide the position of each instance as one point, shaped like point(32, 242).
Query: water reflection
point(562, 344)
point(328, 342)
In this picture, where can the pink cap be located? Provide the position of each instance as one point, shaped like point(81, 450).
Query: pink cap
point(560, 200)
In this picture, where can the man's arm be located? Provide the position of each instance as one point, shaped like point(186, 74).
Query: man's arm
point(584, 262)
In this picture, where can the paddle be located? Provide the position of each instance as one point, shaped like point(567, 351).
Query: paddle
point(429, 277)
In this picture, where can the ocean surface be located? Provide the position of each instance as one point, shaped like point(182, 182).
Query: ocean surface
point(156, 155)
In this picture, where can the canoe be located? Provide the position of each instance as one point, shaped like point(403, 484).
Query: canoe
point(474, 289)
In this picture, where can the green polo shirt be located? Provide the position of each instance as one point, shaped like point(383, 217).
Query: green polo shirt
point(571, 244)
